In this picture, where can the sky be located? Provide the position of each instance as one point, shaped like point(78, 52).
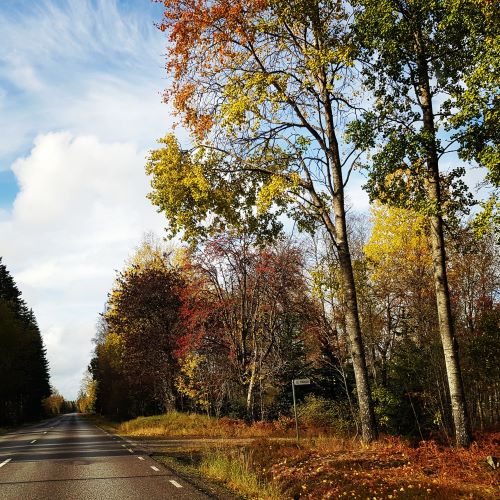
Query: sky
point(80, 106)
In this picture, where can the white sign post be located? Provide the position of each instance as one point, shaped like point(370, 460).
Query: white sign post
point(298, 381)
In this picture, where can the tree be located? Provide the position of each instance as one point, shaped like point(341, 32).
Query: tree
point(244, 306)
point(266, 88)
point(135, 364)
point(107, 367)
point(419, 55)
point(87, 395)
point(53, 404)
point(478, 102)
point(400, 323)
point(475, 283)
point(23, 364)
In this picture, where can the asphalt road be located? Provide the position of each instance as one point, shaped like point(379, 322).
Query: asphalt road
point(69, 458)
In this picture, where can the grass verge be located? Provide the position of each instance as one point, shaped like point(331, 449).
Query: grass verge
point(321, 467)
point(177, 424)
point(236, 471)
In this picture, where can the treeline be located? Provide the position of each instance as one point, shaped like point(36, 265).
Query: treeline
point(24, 376)
point(55, 404)
point(225, 328)
point(285, 102)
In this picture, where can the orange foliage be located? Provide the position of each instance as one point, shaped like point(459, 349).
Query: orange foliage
point(204, 35)
point(387, 469)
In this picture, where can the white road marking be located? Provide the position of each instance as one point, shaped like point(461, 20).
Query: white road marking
point(5, 462)
point(45, 432)
point(131, 451)
point(155, 468)
point(32, 442)
point(124, 445)
point(175, 483)
point(140, 458)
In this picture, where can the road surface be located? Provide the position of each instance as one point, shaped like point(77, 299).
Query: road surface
point(67, 457)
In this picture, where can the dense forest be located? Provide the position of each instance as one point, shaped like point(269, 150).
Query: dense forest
point(23, 364)
point(394, 316)
point(223, 329)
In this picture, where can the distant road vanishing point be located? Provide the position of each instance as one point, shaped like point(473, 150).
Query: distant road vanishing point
point(67, 457)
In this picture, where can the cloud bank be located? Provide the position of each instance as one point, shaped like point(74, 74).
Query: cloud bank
point(89, 67)
point(80, 105)
point(80, 211)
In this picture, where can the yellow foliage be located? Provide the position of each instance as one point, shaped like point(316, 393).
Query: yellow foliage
point(149, 254)
point(190, 383)
point(398, 243)
point(271, 190)
point(112, 349)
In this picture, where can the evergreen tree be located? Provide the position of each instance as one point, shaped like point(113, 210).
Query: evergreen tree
point(23, 363)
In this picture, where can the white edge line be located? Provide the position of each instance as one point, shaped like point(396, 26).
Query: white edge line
point(5, 462)
point(175, 483)
point(155, 468)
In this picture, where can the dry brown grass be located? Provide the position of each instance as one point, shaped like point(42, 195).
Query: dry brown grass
point(390, 468)
point(177, 424)
point(324, 467)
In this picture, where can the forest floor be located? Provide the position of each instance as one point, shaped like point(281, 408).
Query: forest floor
point(254, 465)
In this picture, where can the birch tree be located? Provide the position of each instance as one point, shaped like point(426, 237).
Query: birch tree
point(266, 87)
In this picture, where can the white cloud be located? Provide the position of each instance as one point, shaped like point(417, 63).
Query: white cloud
point(90, 67)
point(80, 211)
point(95, 70)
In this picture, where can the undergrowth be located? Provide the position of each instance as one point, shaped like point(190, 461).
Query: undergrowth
point(323, 467)
point(177, 424)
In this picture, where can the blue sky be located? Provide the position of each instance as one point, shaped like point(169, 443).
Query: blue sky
point(80, 106)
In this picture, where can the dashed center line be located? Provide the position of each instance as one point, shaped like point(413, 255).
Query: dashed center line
point(140, 458)
point(175, 483)
point(5, 462)
point(32, 442)
point(155, 468)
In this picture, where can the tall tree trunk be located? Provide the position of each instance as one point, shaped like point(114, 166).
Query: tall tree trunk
point(366, 412)
point(338, 233)
point(446, 328)
point(251, 386)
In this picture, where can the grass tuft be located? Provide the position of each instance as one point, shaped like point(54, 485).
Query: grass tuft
point(236, 471)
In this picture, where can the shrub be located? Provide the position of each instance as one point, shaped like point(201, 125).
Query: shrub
point(317, 411)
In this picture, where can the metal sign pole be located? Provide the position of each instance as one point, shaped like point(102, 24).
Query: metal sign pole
point(298, 381)
point(295, 411)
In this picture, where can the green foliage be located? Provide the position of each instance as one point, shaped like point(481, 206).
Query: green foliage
point(416, 43)
point(478, 100)
point(202, 194)
point(317, 411)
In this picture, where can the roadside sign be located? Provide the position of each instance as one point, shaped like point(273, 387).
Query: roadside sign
point(298, 381)
point(302, 381)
